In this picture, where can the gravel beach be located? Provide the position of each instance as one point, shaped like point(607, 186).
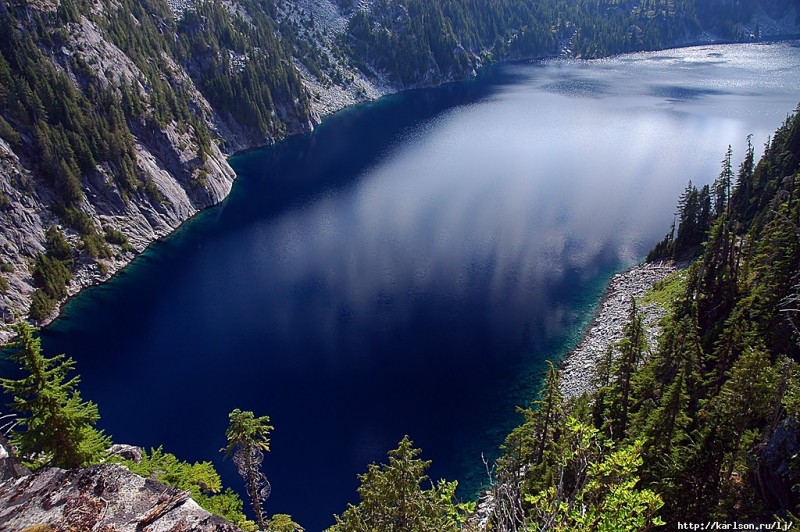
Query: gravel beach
point(577, 368)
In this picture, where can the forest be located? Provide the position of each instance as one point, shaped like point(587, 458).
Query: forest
point(416, 42)
point(708, 418)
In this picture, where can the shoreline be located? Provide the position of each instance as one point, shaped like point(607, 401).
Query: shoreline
point(610, 315)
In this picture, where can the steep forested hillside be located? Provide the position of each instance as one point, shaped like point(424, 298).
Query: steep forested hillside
point(428, 41)
point(417, 41)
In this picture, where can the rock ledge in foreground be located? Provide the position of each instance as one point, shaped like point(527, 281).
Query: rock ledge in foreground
point(106, 498)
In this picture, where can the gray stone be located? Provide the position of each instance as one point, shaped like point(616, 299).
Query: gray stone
point(126, 452)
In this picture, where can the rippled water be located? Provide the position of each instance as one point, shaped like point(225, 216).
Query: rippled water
point(409, 266)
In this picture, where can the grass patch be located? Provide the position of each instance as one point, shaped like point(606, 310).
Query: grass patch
point(664, 292)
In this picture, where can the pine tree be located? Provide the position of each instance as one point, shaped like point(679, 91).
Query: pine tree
point(56, 426)
point(247, 440)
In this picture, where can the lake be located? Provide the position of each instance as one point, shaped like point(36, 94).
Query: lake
point(408, 267)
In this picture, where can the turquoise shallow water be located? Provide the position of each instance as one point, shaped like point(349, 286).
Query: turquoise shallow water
point(407, 267)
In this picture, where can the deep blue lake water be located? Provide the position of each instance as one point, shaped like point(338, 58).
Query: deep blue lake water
point(407, 267)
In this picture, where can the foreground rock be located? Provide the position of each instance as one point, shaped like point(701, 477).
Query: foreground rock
point(102, 497)
point(577, 368)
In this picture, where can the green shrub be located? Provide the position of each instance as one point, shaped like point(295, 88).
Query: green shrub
point(57, 244)
point(52, 276)
point(95, 245)
point(115, 236)
point(42, 305)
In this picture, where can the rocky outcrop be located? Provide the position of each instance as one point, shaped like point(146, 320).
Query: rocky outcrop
point(577, 369)
point(23, 217)
point(179, 181)
point(101, 497)
point(105, 497)
point(10, 468)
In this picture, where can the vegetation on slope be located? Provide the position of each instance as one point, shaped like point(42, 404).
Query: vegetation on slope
point(712, 409)
point(83, 84)
point(702, 427)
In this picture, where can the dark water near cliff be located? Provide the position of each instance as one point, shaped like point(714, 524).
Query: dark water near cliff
point(408, 266)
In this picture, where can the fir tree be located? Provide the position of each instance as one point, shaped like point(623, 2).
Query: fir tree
point(393, 498)
point(614, 401)
point(722, 185)
point(56, 427)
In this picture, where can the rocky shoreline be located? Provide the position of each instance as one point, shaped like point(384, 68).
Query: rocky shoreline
point(577, 368)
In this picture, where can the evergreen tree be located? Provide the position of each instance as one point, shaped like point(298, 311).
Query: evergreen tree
point(722, 185)
point(247, 441)
point(596, 487)
point(743, 191)
point(528, 448)
point(393, 498)
point(57, 245)
point(56, 427)
point(744, 403)
point(718, 288)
